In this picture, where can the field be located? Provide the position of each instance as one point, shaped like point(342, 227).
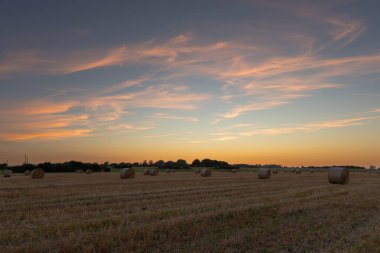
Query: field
point(183, 212)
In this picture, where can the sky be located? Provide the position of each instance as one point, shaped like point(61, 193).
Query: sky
point(295, 83)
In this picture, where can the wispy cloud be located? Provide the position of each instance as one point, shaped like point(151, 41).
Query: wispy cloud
point(307, 127)
point(114, 57)
point(164, 135)
point(345, 28)
point(174, 117)
point(253, 75)
point(47, 134)
point(126, 126)
point(102, 109)
point(253, 107)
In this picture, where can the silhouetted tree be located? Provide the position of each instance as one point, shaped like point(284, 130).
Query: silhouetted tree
point(170, 165)
point(159, 163)
point(196, 163)
point(181, 163)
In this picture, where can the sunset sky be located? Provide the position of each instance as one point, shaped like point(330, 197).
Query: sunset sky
point(241, 81)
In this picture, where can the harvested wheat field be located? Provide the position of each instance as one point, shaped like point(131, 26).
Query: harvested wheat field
point(184, 212)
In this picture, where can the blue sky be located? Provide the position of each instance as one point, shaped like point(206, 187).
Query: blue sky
point(243, 81)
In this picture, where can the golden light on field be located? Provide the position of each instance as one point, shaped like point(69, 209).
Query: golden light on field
point(171, 211)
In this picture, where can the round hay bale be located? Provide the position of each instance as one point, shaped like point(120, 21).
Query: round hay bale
point(196, 171)
point(127, 173)
point(7, 173)
point(28, 172)
point(146, 172)
point(338, 175)
point(88, 171)
point(205, 173)
point(264, 173)
point(153, 172)
point(37, 174)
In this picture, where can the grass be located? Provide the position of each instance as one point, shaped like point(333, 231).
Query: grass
point(184, 212)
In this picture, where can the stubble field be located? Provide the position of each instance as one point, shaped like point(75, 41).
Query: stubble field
point(183, 212)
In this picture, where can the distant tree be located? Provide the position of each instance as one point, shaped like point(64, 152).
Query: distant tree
point(181, 163)
point(207, 163)
point(170, 165)
point(144, 164)
point(159, 163)
point(196, 163)
point(46, 166)
point(121, 165)
point(150, 163)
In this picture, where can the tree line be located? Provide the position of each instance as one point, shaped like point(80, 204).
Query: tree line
point(71, 166)
point(179, 164)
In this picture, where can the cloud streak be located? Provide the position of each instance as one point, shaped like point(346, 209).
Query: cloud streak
point(301, 128)
point(47, 134)
point(174, 117)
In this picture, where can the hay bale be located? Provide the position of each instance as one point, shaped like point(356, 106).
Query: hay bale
point(146, 172)
point(205, 173)
point(127, 173)
point(37, 174)
point(88, 171)
point(264, 173)
point(28, 172)
point(7, 173)
point(153, 172)
point(338, 175)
